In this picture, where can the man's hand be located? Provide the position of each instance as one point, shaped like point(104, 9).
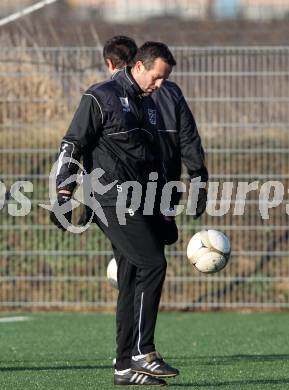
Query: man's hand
point(168, 229)
point(60, 219)
point(202, 203)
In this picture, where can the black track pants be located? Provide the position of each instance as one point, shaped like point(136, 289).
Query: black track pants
point(141, 273)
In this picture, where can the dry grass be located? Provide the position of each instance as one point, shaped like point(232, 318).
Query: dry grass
point(30, 97)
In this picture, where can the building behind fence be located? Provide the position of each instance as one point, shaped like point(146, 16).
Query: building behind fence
point(239, 97)
point(135, 11)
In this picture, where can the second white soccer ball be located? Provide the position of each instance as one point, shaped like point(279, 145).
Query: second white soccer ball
point(111, 273)
point(209, 251)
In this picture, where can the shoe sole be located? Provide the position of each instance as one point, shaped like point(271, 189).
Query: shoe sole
point(155, 375)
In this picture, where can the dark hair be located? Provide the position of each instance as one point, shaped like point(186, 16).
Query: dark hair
point(150, 51)
point(120, 50)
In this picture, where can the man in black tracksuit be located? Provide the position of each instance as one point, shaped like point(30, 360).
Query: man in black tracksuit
point(119, 128)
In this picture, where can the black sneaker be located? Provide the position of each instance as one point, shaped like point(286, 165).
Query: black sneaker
point(135, 379)
point(154, 365)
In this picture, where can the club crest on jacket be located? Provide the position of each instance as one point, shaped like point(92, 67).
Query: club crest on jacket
point(125, 104)
point(152, 116)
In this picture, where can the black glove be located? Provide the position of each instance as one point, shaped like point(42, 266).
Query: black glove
point(57, 216)
point(202, 203)
point(168, 230)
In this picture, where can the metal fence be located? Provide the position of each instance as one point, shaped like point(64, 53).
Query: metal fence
point(240, 99)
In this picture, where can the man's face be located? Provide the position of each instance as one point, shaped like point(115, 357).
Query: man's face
point(150, 80)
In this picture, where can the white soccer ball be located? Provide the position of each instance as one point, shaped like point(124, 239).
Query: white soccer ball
point(111, 273)
point(209, 251)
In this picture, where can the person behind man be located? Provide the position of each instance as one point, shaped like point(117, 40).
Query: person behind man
point(118, 52)
point(114, 128)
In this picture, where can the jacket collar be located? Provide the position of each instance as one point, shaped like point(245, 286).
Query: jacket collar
point(115, 74)
point(125, 78)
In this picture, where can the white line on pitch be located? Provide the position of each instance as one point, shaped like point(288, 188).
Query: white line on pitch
point(13, 319)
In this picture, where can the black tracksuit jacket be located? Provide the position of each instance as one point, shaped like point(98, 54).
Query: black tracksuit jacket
point(129, 135)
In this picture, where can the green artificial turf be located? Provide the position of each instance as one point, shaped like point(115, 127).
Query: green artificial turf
point(212, 351)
